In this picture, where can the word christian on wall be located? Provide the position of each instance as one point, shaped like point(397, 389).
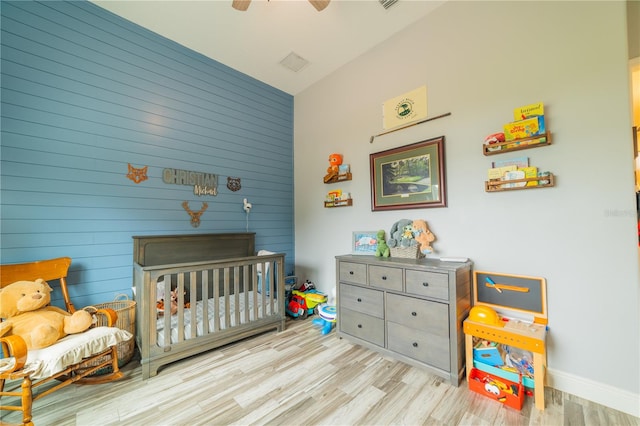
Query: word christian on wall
point(203, 183)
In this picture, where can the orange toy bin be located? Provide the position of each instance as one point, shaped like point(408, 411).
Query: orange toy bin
point(497, 388)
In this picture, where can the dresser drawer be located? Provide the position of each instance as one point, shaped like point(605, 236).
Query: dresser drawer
point(430, 284)
point(365, 300)
point(362, 326)
point(385, 277)
point(353, 272)
point(419, 345)
point(424, 315)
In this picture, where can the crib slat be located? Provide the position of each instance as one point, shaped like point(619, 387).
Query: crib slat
point(245, 293)
point(216, 300)
point(179, 315)
point(205, 306)
point(254, 291)
point(227, 316)
point(193, 321)
point(167, 310)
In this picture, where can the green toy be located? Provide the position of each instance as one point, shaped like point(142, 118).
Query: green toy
point(383, 249)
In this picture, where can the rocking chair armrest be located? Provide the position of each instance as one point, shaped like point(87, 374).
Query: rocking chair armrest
point(105, 316)
point(110, 315)
point(14, 347)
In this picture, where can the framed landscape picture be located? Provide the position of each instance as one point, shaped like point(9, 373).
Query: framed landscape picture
point(409, 177)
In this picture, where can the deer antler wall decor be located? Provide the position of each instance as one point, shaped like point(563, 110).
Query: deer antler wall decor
point(195, 216)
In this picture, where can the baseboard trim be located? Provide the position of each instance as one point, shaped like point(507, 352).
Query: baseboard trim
point(613, 397)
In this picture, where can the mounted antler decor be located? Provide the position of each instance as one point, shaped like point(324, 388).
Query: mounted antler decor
point(195, 216)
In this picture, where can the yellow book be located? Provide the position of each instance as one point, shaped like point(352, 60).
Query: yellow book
point(499, 172)
point(530, 172)
point(528, 111)
point(522, 128)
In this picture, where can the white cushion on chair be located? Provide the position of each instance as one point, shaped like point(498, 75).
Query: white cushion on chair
point(72, 349)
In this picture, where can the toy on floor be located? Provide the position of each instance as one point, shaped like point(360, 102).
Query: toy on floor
point(304, 301)
point(327, 320)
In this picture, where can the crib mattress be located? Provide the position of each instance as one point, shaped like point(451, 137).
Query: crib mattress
point(217, 313)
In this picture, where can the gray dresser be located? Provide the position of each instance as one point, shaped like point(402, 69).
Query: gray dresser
point(410, 309)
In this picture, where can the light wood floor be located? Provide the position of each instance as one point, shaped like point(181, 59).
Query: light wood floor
point(299, 377)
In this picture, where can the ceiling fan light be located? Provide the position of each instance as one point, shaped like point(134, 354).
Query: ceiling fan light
point(241, 5)
point(320, 5)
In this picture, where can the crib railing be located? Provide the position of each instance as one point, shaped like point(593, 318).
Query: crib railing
point(213, 297)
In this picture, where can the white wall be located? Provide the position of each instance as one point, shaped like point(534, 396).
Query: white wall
point(480, 60)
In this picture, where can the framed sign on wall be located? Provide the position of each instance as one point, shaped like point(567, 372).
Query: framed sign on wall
point(409, 177)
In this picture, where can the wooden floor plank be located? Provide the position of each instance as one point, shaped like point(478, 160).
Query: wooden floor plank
point(299, 377)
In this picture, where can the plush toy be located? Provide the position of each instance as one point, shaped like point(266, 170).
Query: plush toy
point(173, 299)
point(383, 249)
point(395, 235)
point(407, 233)
point(335, 160)
point(24, 305)
point(423, 236)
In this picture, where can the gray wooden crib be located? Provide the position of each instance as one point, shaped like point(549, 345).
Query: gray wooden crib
point(225, 293)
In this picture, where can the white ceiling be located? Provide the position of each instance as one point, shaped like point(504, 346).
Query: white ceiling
point(254, 42)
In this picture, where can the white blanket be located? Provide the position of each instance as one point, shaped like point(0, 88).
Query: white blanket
point(216, 314)
point(70, 350)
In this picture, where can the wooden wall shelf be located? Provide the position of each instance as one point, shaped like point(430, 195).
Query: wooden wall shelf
point(496, 185)
point(338, 203)
point(339, 178)
point(517, 145)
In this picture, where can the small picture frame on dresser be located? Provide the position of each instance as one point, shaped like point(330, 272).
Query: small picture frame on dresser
point(364, 242)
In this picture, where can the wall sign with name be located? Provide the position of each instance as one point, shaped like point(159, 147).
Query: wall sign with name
point(203, 183)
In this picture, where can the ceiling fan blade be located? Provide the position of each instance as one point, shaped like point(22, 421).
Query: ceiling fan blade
point(241, 5)
point(320, 5)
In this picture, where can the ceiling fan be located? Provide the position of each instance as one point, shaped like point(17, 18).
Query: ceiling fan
point(243, 5)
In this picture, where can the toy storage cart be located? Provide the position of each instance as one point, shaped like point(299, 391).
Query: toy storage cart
point(524, 297)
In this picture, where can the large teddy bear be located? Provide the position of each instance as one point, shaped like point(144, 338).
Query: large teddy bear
point(24, 306)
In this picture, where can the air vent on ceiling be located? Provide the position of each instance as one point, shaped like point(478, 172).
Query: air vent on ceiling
point(294, 62)
point(387, 3)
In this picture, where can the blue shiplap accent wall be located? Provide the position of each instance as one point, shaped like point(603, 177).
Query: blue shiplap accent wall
point(85, 93)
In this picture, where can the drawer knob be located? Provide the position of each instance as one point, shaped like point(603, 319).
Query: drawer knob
point(414, 314)
point(426, 284)
point(359, 325)
point(350, 272)
point(359, 299)
point(415, 344)
point(384, 277)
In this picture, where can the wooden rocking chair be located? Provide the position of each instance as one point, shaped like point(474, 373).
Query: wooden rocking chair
point(74, 362)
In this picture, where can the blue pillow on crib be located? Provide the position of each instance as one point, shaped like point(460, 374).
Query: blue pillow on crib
point(259, 266)
point(260, 283)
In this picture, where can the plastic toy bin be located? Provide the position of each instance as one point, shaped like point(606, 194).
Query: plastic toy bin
point(497, 388)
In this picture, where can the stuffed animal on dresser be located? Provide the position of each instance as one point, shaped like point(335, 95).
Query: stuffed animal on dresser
point(382, 249)
point(423, 236)
point(397, 232)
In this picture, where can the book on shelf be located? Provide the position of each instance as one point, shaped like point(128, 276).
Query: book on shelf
point(527, 111)
point(499, 172)
point(530, 172)
point(512, 175)
point(526, 128)
point(518, 162)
